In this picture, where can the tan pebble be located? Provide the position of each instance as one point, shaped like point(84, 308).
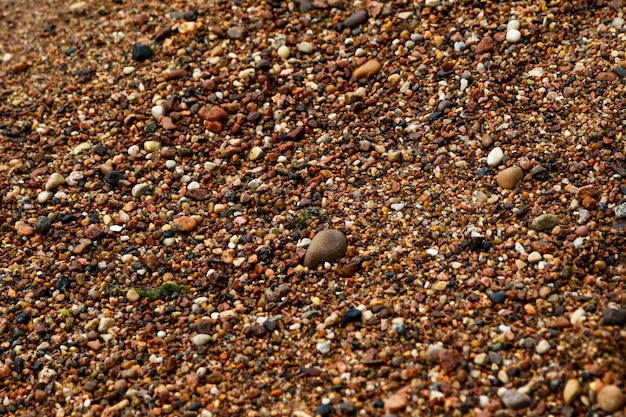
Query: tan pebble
point(441, 285)
point(509, 177)
point(25, 230)
point(371, 67)
point(132, 296)
point(611, 398)
point(54, 181)
point(327, 246)
point(571, 391)
point(185, 224)
point(530, 309)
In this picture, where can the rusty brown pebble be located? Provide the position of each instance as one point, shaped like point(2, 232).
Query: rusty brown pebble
point(327, 246)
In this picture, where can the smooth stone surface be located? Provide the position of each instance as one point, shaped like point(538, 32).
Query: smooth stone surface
point(495, 157)
point(139, 189)
point(611, 398)
point(306, 47)
point(323, 347)
point(515, 400)
point(614, 316)
point(142, 52)
point(485, 45)
point(54, 181)
point(513, 36)
point(571, 391)
point(432, 353)
point(201, 339)
point(105, 324)
point(283, 52)
point(544, 222)
point(255, 153)
point(534, 257)
point(509, 177)
point(327, 246)
point(132, 295)
point(371, 67)
point(355, 19)
point(397, 402)
point(542, 347)
point(151, 145)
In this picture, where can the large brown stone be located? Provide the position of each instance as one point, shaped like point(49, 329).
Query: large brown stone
point(327, 246)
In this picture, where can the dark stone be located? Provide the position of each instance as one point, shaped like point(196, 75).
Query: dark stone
point(142, 52)
point(269, 325)
point(357, 18)
point(162, 34)
point(63, 283)
point(42, 225)
point(497, 297)
point(620, 71)
point(203, 326)
point(114, 178)
point(304, 6)
point(295, 134)
point(100, 150)
point(23, 317)
point(194, 406)
point(237, 33)
point(323, 410)
point(351, 316)
point(614, 316)
point(434, 116)
point(347, 408)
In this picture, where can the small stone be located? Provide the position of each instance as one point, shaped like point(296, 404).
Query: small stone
point(78, 7)
point(607, 76)
point(44, 196)
point(158, 111)
point(132, 295)
point(544, 222)
point(54, 181)
point(614, 316)
point(509, 177)
point(167, 123)
point(327, 246)
point(237, 33)
point(513, 36)
point(114, 178)
point(449, 359)
point(495, 157)
point(620, 211)
point(255, 153)
point(139, 189)
point(142, 52)
point(306, 47)
point(324, 410)
point(485, 45)
point(128, 70)
point(351, 316)
point(184, 224)
point(497, 297)
point(534, 257)
point(542, 347)
point(283, 52)
point(397, 402)
point(611, 398)
point(481, 359)
point(295, 134)
point(42, 225)
point(512, 25)
point(151, 145)
point(432, 353)
point(24, 229)
point(571, 391)
point(214, 114)
point(323, 347)
point(254, 331)
point(105, 324)
point(201, 339)
point(568, 91)
point(355, 19)
point(514, 400)
point(369, 68)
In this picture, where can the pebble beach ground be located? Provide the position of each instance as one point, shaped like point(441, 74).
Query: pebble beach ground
point(167, 168)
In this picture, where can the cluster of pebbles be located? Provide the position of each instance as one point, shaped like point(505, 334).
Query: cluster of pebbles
point(312, 208)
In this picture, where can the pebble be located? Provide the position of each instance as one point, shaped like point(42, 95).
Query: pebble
point(255, 153)
point(158, 111)
point(513, 36)
point(24, 229)
point(105, 324)
point(497, 297)
point(571, 391)
point(544, 222)
point(514, 400)
point(151, 145)
point(351, 316)
point(42, 225)
point(397, 206)
point(485, 45)
point(142, 52)
point(78, 7)
point(534, 257)
point(509, 177)
point(432, 353)
point(371, 67)
point(397, 402)
point(495, 157)
point(512, 25)
point(185, 224)
point(44, 196)
point(542, 347)
point(323, 347)
point(237, 33)
point(139, 189)
point(355, 19)
point(283, 52)
point(128, 70)
point(327, 246)
point(132, 295)
point(481, 359)
point(214, 114)
point(611, 398)
point(306, 47)
point(201, 339)
point(620, 211)
point(54, 181)
point(614, 316)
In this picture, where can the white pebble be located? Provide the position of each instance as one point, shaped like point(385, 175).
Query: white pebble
point(128, 70)
point(397, 206)
point(116, 228)
point(495, 157)
point(283, 52)
point(432, 251)
point(201, 339)
point(542, 347)
point(158, 111)
point(323, 347)
point(44, 196)
point(305, 47)
point(618, 22)
point(139, 189)
point(512, 25)
point(513, 36)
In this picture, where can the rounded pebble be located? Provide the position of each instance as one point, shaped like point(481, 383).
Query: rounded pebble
point(327, 246)
point(611, 398)
point(509, 177)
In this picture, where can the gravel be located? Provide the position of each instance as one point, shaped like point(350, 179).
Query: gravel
point(170, 168)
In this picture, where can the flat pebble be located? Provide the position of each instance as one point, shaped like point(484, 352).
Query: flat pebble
point(139, 189)
point(105, 324)
point(371, 67)
point(514, 400)
point(544, 222)
point(534, 257)
point(55, 180)
point(327, 246)
point(611, 398)
point(509, 177)
point(571, 391)
point(306, 47)
point(158, 111)
point(323, 347)
point(201, 339)
point(151, 145)
point(397, 402)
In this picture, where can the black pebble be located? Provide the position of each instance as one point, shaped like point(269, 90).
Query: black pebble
point(323, 410)
point(114, 178)
point(23, 317)
point(63, 283)
point(150, 127)
point(142, 52)
point(613, 316)
point(269, 325)
point(434, 116)
point(194, 406)
point(351, 316)
point(100, 150)
point(42, 225)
